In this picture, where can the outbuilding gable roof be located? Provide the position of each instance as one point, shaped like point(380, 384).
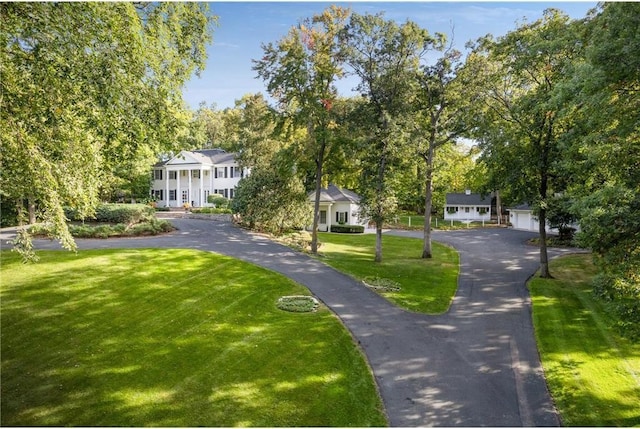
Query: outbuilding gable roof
point(333, 194)
point(464, 199)
point(524, 207)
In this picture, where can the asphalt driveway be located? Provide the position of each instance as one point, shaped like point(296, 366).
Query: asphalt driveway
point(476, 365)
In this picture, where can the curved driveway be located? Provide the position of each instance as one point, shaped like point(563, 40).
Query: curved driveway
point(476, 365)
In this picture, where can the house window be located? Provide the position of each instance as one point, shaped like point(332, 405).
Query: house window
point(172, 194)
point(236, 172)
point(483, 210)
point(342, 217)
point(220, 172)
point(183, 173)
point(185, 196)
point(226, 193)
point(466, 209)
point(195, 174)
point(323, 217)
point(452, 209)
point(173, 175)
point(206, 195)
point(231, 191)
point(157, 174)
point(157, 194)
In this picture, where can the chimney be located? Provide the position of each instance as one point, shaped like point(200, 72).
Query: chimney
point(467, 191)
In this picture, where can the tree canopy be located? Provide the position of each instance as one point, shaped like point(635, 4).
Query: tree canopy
point(90, 92)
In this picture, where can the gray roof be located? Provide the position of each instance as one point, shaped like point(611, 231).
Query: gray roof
point(462, 199)
point(206, 156)
point(524, 206)
point(333, 194)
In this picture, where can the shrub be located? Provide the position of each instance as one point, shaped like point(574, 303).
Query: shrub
point(124, 213)
point(298, 303)
point(348, 229)
point(218, 200)
point(212, 210)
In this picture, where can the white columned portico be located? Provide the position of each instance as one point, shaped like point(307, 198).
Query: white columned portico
point(211, 180)
point(178, 191)
point(202, 201)
point(166, 188)
point(189, 193)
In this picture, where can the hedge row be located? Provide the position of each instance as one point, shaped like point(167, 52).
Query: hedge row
point(152, 227)
point(117, 213)
point(348, 229)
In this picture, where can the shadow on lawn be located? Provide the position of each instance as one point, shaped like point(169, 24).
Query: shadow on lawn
point(184, 342)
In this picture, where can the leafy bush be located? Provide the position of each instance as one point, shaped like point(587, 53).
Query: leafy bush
point(212, 210)
point(348, 229)
point(298, 303)
point(124, 213)
point(272, 200)
point(218, 200)
point(152, 227)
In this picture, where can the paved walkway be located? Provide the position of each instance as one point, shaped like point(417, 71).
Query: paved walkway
point(476, 365)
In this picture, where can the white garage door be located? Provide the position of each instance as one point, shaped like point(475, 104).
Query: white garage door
point(522, 220)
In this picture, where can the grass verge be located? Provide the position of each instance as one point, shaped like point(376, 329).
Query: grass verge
point(593, 374)
point(426, 285)
point(171, 338)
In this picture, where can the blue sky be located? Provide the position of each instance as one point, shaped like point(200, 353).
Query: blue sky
point(244, 26)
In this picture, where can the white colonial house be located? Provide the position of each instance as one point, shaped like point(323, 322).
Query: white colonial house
point(467, 207)
point(191, 176)
point(337, 207)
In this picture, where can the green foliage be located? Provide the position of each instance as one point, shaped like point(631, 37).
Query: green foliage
point(124, 213)
point(297, 303)
point(90, 93)
point(213, 210)
point(150, 226)
point(172, 338)
point(610, 226)
point(218, 200)
point(300, 73)
point(520, 119)
point(348, 229)
point(385, 56)
point(273, 201)
point(561, 216)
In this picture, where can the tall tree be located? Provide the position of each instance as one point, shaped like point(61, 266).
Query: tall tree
point(385, 57)
point(522, 119)
point(301, 71)
point(87, 87)
point(604, 154)
point(440, 109)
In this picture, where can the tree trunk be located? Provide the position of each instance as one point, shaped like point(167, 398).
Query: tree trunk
point(31, 205)
point(544, 258)
point(316, 204)
point(427, 252)
point(20, 211)
point(542, 218)
point(498, 207)
point(378, 257)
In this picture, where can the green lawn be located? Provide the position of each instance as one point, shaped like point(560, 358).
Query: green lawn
point(593, 374)
point(426, 285)
point(171, 338)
